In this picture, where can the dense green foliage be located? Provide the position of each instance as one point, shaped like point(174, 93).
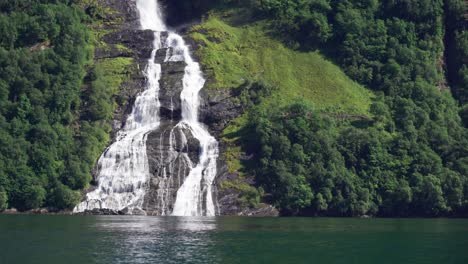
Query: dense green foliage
point(49, 143)
point(457, 52)
point(410, 159)
point(310, 162)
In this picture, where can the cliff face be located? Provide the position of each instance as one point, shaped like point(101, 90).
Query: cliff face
point(171, 149)
point(184, 12)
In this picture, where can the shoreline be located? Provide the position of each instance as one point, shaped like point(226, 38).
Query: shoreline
point(44, 211)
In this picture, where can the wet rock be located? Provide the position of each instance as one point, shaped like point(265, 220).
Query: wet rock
point(132, 211)
point(160, 55)
point(171, 85)
point(263, 210)
point(102, 212)
point(128, 92)
point(137, 42)
point(10, 211)
point(219, 107)
point(124, 13)
point(172, 151)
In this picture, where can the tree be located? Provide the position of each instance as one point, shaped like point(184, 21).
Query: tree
point(64, 198)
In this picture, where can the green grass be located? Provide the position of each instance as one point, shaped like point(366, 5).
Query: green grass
point(114, 71)
point(232, 55)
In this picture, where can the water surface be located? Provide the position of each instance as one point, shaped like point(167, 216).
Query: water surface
point(134, 239)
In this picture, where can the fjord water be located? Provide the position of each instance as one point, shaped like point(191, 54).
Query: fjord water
point(123, 170)
point(142, 239)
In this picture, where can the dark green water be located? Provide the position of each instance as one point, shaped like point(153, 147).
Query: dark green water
point(126, 239)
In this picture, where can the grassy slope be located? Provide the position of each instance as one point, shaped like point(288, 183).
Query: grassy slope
point(231, 54)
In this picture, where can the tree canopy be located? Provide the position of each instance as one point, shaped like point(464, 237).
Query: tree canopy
point(47, 147)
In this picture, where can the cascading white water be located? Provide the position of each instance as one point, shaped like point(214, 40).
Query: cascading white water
point(123, 168)
point(194, 197)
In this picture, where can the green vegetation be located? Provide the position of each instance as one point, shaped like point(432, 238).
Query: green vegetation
point(53, 125)
point(325, 153)
point(233, 55)
point(310, 164)
point(107, 76)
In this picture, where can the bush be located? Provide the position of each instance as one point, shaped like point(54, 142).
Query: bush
point(32, 197)
point(64, 198)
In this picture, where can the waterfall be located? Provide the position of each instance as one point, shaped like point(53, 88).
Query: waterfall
point(194, 197)
point(123, 171)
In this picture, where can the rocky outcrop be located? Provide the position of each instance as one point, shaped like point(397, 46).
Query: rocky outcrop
point(120, 13)
point(172, 151)
point(218, 108)
point(138, 44)
point(229, 198)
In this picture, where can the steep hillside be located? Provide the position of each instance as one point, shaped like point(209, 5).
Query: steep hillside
point(305, 136)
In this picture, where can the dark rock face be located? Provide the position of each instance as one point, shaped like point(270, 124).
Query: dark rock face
point(139, 43)
point(218, 108)
point(171, 86)
point(124, 11)
point(229, 198)
point(172, 151)
point(125, 211)
point(179, 12)
point(102, 212)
